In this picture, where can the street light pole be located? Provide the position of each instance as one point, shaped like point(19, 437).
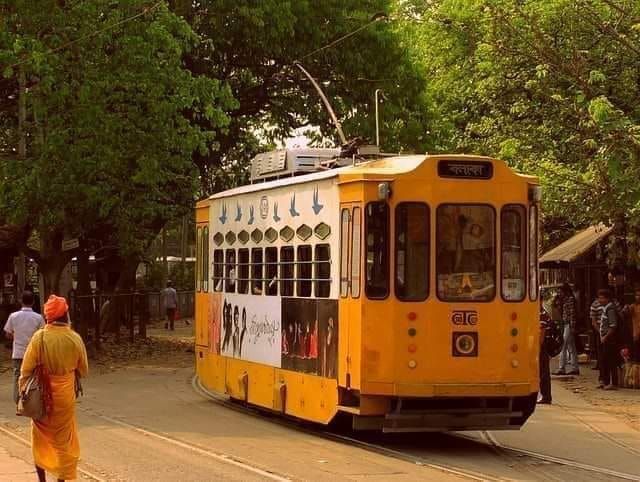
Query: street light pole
point(377, 92)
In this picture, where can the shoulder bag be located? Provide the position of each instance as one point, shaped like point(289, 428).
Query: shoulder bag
point(33, 399)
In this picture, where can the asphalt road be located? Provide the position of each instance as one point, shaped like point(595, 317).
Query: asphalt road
point(142, 424)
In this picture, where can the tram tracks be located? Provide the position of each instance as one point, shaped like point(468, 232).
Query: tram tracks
point(372, 447)
point(594, 429)
point(165, 438)
point(526, 465)
point(263, 474)
point(509, 455)
point(491, 441)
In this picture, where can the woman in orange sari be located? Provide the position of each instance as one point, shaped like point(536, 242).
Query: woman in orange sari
point(54, 438)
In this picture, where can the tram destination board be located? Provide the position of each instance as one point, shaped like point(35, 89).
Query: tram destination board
point(465, 169)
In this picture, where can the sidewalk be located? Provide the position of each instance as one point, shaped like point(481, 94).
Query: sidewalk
point(623, 403)
point(14, 469)
point(583, 424)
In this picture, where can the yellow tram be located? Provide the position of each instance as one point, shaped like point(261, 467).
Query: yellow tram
point(401, 291)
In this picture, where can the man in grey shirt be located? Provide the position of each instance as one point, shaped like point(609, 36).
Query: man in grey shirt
point(170, 302)
point(20, 327)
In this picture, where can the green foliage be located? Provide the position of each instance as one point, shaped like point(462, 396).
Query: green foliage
point(113, 119)
point(552, 86)
point(183, 277)
point(252, 47)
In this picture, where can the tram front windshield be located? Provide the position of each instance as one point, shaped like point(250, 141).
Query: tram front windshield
point(466, 252)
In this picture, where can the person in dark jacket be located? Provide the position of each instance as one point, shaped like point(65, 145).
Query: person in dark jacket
point(545, 375)
point(609, 323)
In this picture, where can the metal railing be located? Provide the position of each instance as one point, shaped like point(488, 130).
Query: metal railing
point(98, 312)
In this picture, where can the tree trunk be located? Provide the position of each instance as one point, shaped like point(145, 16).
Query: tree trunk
point(83, 291)
point(51, 269)
point(165, 264)
point(124, 295)
point(51, 263)
point(22, 113)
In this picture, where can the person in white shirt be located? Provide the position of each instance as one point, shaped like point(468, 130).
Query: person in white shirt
point(20, 327)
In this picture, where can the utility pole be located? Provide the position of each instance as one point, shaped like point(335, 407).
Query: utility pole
point(165, 264)
point(22, 155)
point(183, 244)
point(377, 92)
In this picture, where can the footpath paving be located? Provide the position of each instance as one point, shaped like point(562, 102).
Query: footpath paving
point(583, 424)
point(14, 468)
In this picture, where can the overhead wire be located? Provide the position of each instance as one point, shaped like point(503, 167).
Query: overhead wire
point(376, 18)
point(144, 11)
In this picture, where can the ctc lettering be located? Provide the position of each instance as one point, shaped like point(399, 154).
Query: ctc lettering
point(464, 318)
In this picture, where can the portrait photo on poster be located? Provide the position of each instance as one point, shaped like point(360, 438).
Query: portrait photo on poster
point(310, 336)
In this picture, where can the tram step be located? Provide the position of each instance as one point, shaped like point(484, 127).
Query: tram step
point(453, 413)
point(351, 410)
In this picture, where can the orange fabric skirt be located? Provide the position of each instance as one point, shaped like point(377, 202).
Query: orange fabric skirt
point(54, 439)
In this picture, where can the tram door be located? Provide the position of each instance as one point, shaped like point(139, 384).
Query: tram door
point(350, 290)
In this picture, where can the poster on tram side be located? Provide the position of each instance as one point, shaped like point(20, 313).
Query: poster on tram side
point(215, 313)
point(310, 336)
point(250, 328)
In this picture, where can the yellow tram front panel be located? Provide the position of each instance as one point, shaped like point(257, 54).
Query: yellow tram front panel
point(407, 347)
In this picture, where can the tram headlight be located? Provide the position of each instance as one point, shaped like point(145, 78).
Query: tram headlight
point(535, 193)
point(384, 191)
point(465, 343)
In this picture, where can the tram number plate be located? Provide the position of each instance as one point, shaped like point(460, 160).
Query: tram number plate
point(466, 169)
point(464, 318)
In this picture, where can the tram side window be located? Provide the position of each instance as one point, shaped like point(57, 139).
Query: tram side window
point(271, 258)
point(218, 269)
point(243, 271)
point(286, 271)
point(205, 259)
point(322, 271)
point(230, 271)
point(533, 253)
point(512, 229)
point(304, 271)
point(412, 251)
point(355, 252)
point(257, 271)
point(377, 250)
point(344, 253)
point(465, 252)
point(199, 258)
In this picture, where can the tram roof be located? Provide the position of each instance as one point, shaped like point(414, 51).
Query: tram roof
point(386, 166)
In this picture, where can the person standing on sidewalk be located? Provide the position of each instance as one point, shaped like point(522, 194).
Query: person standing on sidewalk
point(61, 351)
point(170, 301)
point(633, 311)
point(608, 326)
point(21, 326)
point(569, 354)
point(595, 314)
point(545, 376)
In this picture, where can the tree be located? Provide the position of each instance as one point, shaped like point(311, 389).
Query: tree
point(114, 119)
point(252, 46)
point(549, 85)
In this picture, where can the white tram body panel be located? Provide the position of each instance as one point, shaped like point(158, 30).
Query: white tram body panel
point(295, 213)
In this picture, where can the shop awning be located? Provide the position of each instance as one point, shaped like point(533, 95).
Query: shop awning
point(577, 245)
